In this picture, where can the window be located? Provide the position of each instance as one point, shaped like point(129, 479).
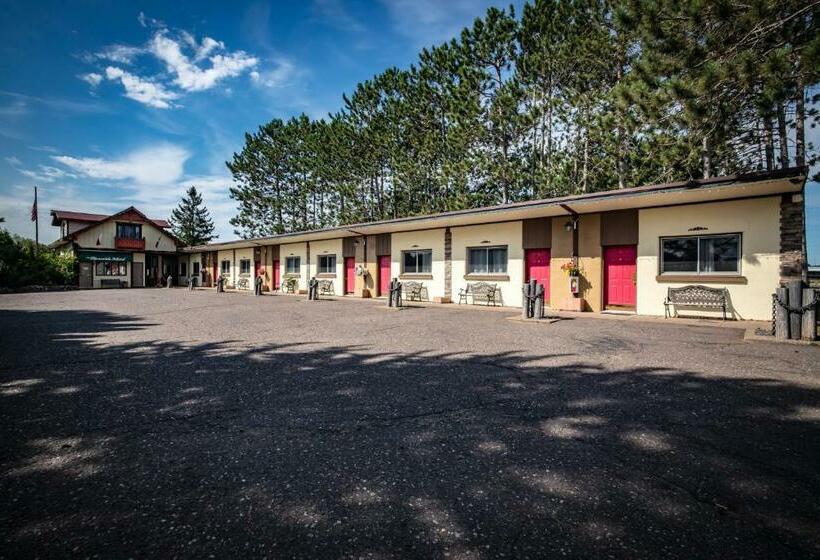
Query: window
point(129, 231)
point(417, 262)
point(110, 268)
point(705, 254)
point(292, 265)
point(487, 260)
point(196, 268)
point(226, 267)
point(327, 264)
point(244, 266)
point(183, 269)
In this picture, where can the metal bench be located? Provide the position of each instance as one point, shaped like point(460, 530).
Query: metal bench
point(111, 283)
point(289, 285)
point(411, 291)
point(482, 290)
point(326, 288)
point(695, 296)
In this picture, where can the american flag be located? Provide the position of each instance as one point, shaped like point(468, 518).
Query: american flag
point(34, 209)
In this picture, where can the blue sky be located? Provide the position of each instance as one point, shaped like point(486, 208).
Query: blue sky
point(109, 104)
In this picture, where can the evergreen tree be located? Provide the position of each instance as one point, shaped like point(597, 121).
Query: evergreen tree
point(190, 220)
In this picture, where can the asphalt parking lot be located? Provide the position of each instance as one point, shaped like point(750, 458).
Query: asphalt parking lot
point(170, 423)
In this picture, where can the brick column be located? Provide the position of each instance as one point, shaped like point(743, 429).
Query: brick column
point(792, 237)
point(448, 266)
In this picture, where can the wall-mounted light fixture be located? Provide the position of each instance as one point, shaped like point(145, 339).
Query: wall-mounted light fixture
point(571, 224)
point(485, 241)
point(413, 246)
point(698, 228)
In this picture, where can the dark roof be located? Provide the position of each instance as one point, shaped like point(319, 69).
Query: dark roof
point(59, 215)
point(794, 174)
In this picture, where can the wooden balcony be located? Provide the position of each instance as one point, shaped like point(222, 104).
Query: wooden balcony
point(135, 244)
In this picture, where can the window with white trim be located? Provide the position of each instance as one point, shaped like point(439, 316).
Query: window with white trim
point(183, 268)
point(244, 266)
point(226, 267)
point(487, 260)
point(701, 254)
point(293, 265)
point(327, 264)
point(196, 268)
point(417, 262)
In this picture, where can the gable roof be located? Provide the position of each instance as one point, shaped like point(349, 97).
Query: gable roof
point(162, 225)
point(59, 215)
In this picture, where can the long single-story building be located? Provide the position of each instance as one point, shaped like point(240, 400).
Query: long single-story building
point(742, 233)
point(126, 249)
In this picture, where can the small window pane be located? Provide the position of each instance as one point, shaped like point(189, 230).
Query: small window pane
point(720, 254)
point(196, 268)
point(497, 260)
point(680, 255)
point(292, 265)
point(478, 261)
point(183, 269)
point(226, 267)
point(244, 266)
point(410, 262)
point(327, 264)
point(425, 262)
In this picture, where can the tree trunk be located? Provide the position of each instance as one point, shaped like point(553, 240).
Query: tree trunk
point(800, 124)
point(782, 136)
point(768, 142)
point(707, 158)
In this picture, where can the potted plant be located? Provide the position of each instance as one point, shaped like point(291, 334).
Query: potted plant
point(572, 268)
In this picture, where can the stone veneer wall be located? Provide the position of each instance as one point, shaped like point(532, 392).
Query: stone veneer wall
point(792, 237)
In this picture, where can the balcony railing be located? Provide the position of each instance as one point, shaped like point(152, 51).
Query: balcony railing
point(125, 243)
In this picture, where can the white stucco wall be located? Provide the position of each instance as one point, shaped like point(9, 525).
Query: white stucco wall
point(189, 259)
point(295, 250)
point(509, 234)
point(328, 247)
point(758, 220)
point(420, 240)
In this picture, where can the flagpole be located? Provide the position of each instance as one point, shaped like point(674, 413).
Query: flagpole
point(36, 224)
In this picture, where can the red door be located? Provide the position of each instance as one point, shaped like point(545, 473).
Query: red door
point(350, 274)
point(620, 271)
point(275, 275)
point(384, 275)
point(257, 265)
point(538, 268)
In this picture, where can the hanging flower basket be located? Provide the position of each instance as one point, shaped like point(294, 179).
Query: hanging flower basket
point(571, 268)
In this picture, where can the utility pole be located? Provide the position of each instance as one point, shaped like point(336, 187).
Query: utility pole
point(35, 219)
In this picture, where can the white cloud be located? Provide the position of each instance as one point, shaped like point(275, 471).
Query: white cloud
point(92, 78)
point(13, 161)
point(47, 174)
point(275, 77)
point(159, 165)
point(142, 90)
point(191, 77)
point(121, 54)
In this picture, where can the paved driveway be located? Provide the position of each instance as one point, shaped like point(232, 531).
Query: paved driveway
point(174, 423)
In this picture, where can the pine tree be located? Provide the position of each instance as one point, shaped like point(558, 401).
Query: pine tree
point(191, 221)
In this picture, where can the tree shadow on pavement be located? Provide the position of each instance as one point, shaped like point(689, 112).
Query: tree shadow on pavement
point(309, 450)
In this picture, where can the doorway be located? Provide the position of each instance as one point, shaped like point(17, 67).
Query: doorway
point(538, 268)
point(86, 274)
point(384, 275)
point(620, 276)
point(137, 275)
point(350, 274)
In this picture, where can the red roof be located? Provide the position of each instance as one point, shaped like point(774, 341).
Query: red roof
point(60, 215)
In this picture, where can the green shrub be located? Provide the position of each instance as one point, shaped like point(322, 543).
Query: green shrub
point(19, 266)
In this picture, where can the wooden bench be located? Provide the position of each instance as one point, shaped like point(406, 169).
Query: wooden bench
point(411, 290)
point(695, 296)
point(111, 283)
point(482, 290)
point(326, 288)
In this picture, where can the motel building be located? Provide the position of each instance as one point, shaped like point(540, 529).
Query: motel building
point(742, 234)
point(125, 249)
